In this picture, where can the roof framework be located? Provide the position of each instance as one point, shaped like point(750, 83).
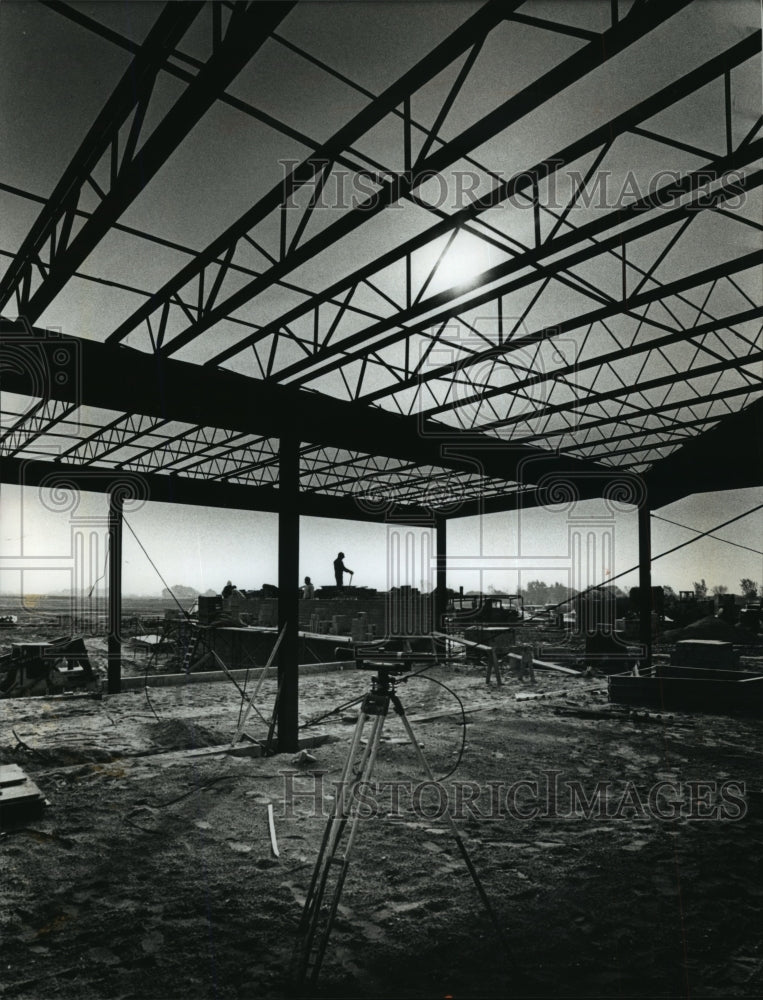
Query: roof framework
point(471, 289)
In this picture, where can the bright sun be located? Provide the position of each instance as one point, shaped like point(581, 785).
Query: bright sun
point(465, 259)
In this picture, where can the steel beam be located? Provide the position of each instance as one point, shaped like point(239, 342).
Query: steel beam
point(441, 584)
point(116, 504)
point(131, 93)
point(626, 390)
point(467, 35)
point(402, 185)
point(120, 378)
point(288, 594)
point(601, 136)
point(727, 457)
point(447, 302)
point(678, 337)
point(645, 582)
point(248, 29)
point(195, 492)
point(572, 69)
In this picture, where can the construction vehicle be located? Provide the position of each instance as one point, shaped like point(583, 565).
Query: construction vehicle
point(484, 609)
point(46, 668)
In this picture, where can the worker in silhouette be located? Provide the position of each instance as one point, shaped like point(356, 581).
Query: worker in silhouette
point(308, 590)
point(339, 570)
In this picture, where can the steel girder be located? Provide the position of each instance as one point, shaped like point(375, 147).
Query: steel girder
point(732, 450)
point(469, 34)
point(157, 488)
point(600, 137)
point(170, 245)
point(43, 415)
point(445, 302)
point(548, 434)
point(247, 30)
point(399, 186)
point(131, 96)
point(197, 442)
point(729, 456)
point(632, 351)
point(119, 378)
point(118, 433)
point(259, 115)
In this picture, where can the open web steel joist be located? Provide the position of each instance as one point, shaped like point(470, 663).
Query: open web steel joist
point(459, 259)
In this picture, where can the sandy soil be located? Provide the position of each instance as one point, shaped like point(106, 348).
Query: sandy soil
point(151, 873)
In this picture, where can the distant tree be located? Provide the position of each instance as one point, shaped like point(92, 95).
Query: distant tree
point(700, 589)
point(536, 592)
point(559, 593)
point(670, 594)
point(720, 589)
point(181, 592)
point(749, 587)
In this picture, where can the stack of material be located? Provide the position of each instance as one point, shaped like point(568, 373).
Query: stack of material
point(340, 625)
point(266, 616)
point(359, 628)
point(705, 653)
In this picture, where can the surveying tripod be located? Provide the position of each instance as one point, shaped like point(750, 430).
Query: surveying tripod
point(342, 826)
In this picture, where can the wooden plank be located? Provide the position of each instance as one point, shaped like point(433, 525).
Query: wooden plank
point(19, 796)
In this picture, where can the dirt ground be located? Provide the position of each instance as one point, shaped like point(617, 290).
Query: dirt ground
point(151, 874)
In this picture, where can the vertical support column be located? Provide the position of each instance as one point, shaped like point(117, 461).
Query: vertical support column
point(440, 601)
point(114, 683)
point(288, 592)
point(645, 581)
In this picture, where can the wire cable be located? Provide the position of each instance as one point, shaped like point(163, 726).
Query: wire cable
point(758, 552)
point(167, 586)
point(105, 564)
point(319, 718)
point(667, 552)
point(450, 690)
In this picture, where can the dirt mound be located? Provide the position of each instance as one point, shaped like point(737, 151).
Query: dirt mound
point(175, 734)
point(713, 628)
point(62, 756)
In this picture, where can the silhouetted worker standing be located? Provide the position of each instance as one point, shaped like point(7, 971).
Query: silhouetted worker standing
point(339, 570)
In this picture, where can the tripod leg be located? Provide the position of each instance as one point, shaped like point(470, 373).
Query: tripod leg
point(366, 771)
point(331, 831)
point(454, 830)
point(344, 811)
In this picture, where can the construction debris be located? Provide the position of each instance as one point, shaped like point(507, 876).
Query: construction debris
point(272, 829)
point(20, 798)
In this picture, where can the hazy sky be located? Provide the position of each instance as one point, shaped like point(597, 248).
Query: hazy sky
point(55, 77)
point(202, 548)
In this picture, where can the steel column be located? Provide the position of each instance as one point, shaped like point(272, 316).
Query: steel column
point(440, 594)
point(645, 581)
point(288, 593)
point(116, 500)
